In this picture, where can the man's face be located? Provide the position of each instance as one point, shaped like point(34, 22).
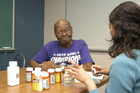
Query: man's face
point(63, 32)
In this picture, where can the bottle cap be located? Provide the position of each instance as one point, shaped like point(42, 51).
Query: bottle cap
point(62, 67)
point(67, 70)
point(37, 73)
point(44, 74)
point(29, 69)
point(50, 70)
point(58, 70)
point(37, 68)
point(33, 72)
point(13, 63)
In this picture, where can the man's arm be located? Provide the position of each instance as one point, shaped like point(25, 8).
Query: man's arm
point(87, 66)
point(34, 63)
point(44, 66)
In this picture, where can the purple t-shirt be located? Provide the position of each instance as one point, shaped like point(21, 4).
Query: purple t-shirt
point(78, 52)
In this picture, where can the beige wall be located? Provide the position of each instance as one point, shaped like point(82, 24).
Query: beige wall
point(55, 10)
point(102, 58)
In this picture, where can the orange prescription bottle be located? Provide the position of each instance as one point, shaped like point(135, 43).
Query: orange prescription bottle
point(57, 75)
point(33, 74)
point(45, 78)
point(51, 76)
point(29, 74)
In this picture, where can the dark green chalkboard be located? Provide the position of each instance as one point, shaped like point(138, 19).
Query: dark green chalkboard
point(6, 23)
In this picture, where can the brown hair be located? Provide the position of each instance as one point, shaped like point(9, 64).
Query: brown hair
point(126, 21)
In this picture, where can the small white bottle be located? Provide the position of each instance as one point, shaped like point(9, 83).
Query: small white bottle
point(13, 74)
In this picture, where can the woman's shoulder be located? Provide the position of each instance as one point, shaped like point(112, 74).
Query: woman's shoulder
point(123, 61)
point(122, 58)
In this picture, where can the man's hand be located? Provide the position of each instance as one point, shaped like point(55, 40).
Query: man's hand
point(100, 70)
point(48, 64)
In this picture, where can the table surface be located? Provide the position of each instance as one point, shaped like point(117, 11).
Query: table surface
point(25, 87)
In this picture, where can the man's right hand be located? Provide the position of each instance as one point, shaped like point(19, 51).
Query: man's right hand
point(47, 65)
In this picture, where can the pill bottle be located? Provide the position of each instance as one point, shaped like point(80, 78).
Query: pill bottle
point(13, 74)
point(37, 68)
point(45, 78)
point(29, 74)
point(57, 75)
point(62, 70)
point(33, 74)
point(51, 76)
point(67, 80)
point(37, 81)
point(63, 67)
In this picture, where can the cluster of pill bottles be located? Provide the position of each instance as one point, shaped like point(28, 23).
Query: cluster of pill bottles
point(42, 79)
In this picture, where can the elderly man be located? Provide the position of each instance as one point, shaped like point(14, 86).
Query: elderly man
point(56, 53)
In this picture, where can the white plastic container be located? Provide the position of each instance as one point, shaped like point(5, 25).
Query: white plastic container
point(13, 74)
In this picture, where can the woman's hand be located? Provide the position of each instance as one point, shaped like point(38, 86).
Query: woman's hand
point(100, 70)
point(80, 74)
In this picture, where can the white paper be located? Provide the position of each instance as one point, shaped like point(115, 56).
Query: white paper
point(95, 78)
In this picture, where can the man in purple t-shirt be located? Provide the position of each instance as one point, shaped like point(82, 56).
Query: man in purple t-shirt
point(55, 53)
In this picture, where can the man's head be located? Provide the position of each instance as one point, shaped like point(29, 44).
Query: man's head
point(63, 32)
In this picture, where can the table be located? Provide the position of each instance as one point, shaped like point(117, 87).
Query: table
point(25, 87)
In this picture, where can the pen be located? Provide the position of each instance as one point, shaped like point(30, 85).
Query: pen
point(96, 74)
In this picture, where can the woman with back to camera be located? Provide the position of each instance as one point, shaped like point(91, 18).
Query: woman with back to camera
point(124, 73)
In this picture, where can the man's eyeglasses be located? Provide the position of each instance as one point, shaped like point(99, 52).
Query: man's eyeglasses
point(60, 32)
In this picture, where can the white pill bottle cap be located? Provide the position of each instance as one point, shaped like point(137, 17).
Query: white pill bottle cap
point(12, 63)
